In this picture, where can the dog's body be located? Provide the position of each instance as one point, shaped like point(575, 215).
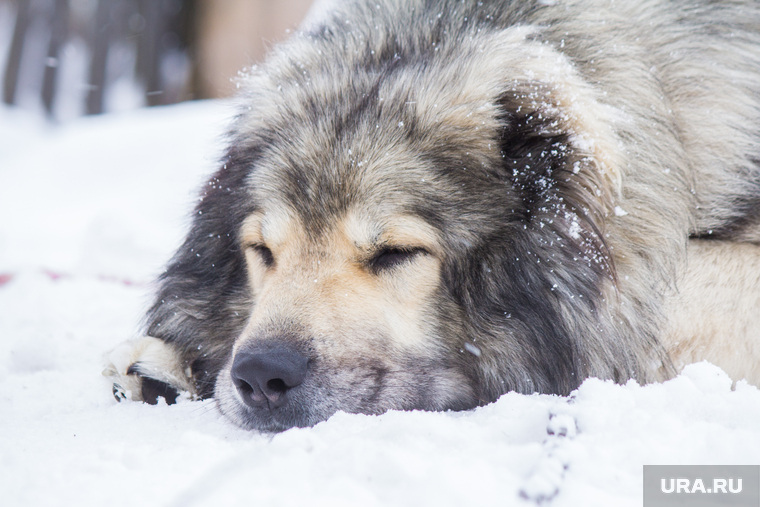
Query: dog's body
point(426, 204)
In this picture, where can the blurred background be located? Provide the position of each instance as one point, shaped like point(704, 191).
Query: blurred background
point(69, 58)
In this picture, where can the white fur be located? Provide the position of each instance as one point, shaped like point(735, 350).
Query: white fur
point(157, 360)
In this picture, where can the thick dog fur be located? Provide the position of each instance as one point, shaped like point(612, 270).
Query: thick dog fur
point(428, 203)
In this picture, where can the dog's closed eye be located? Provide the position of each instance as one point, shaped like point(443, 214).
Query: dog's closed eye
point(265, 254)
point(391, 257)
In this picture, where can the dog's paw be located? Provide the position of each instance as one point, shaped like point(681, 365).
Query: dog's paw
point(145, 369)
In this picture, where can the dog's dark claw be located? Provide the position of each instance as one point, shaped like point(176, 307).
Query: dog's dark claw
point(118, 393)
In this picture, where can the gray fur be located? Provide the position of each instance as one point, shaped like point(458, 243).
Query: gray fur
point(563, 152)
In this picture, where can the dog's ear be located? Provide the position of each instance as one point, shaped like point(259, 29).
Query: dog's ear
point(555, 170)
point(535, 150)
point(559, 260)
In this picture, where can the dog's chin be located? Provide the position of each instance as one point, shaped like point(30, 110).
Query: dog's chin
point(265, 421)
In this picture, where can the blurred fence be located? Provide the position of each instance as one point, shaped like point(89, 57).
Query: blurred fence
point(74, 57)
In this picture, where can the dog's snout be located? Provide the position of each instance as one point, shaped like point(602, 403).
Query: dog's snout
point(263, 376)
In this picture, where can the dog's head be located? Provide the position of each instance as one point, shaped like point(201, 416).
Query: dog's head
point(413, 225)
point(403, 226)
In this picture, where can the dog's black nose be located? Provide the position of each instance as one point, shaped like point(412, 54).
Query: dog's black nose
point(264, 375)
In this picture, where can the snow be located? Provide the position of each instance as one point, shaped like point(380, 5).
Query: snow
point(90, 212)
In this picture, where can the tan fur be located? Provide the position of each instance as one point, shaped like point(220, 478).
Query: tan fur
point(327, 285)
point(715, 313)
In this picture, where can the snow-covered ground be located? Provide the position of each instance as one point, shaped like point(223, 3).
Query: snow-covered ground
point(90, 211)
